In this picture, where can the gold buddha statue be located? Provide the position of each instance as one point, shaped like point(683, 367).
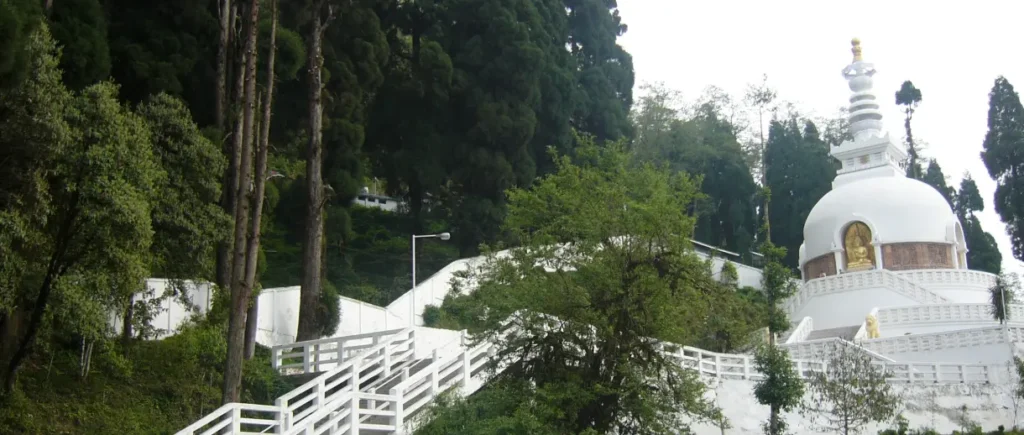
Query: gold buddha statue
point(859, 255)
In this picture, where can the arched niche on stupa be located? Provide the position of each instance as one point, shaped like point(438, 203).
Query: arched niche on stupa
point(858, 247)
point(959, 245)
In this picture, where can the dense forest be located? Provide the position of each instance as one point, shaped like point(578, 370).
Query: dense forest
point(226, 141)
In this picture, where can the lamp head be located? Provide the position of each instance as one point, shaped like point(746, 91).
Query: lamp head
point(444, 236)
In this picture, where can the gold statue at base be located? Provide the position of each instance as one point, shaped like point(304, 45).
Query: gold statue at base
point(872, 324)
point(860, 254)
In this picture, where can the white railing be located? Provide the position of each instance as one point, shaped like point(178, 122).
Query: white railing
point(813, 349)
point(236, 418)
point(951, 277)
point(349, 377)
point(728, 366)
point(945, 313)
point(456, 370)
point(314, 356)
point(309, 398)
point(802, 330)
point(934, 341)
point(879, 278)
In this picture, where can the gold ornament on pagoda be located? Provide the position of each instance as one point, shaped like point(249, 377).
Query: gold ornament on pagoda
point(855, 48)
point(860, 254)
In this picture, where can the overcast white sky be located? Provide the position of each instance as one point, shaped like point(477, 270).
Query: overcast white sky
point(952, 51)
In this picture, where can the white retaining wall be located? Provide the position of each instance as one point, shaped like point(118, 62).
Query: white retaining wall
point(173, 313)
point(936, 406)
point(278, 317)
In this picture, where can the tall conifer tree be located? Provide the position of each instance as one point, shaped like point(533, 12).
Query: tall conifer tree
point(1004, 158)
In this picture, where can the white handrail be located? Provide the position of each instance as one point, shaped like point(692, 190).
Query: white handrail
point(289, 409)
point(347, 377)
point(802, 330)
point(315, 354)
point(945, 313)
point(233, 417)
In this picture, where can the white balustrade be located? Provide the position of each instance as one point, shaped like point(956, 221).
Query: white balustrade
point(936, 341)
point(952, 277)
point(314, 356)
point(310, 398)
point(879, 278)
point(802, 330)
point(332, 403)
point(945, 313)
point(236, 418)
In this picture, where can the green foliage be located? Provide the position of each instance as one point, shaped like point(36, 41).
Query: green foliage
point(80, 28)
point(624, 275)
point(159, 387)
point(500, 408)
point(165, 47)
point(983, 253)
point(850, 393)
point(1002, 294)
point(799, 172)
point(934, 177)
point(18, 20)
point(1003, 160)
point(909, 97)
point(605, 69)
point(187, 221)
point(781, 388)
point(34, 131)
point(706, 144)
point(728, 275)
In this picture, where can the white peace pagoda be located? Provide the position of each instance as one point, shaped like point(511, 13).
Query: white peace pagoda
point(884, 260)
point(883, 264)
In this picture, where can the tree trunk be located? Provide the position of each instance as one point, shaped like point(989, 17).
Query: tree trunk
point(239, 289)
point(773, 421)
point(54, 270)
point(312, 249)
point(229, 106)
point(126, 326)
point(224, 11)
point(261, 184)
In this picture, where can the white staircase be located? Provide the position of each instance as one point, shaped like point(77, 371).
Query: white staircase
point(377, 388)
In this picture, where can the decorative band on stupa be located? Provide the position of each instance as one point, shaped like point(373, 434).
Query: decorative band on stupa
point(865, 116)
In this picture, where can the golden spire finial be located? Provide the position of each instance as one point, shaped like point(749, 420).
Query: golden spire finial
point(856, 50)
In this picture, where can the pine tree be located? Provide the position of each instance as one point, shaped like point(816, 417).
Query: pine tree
point(1004, 158)
point(934, 177)
point(982, 251)
point(909, 97)
point(799, 172)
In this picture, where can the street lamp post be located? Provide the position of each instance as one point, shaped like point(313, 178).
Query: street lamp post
point(412, 296)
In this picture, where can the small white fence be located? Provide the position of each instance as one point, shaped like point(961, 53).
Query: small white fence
point(315, 356)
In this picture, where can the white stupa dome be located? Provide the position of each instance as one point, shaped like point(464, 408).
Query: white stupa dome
point(896, 209)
